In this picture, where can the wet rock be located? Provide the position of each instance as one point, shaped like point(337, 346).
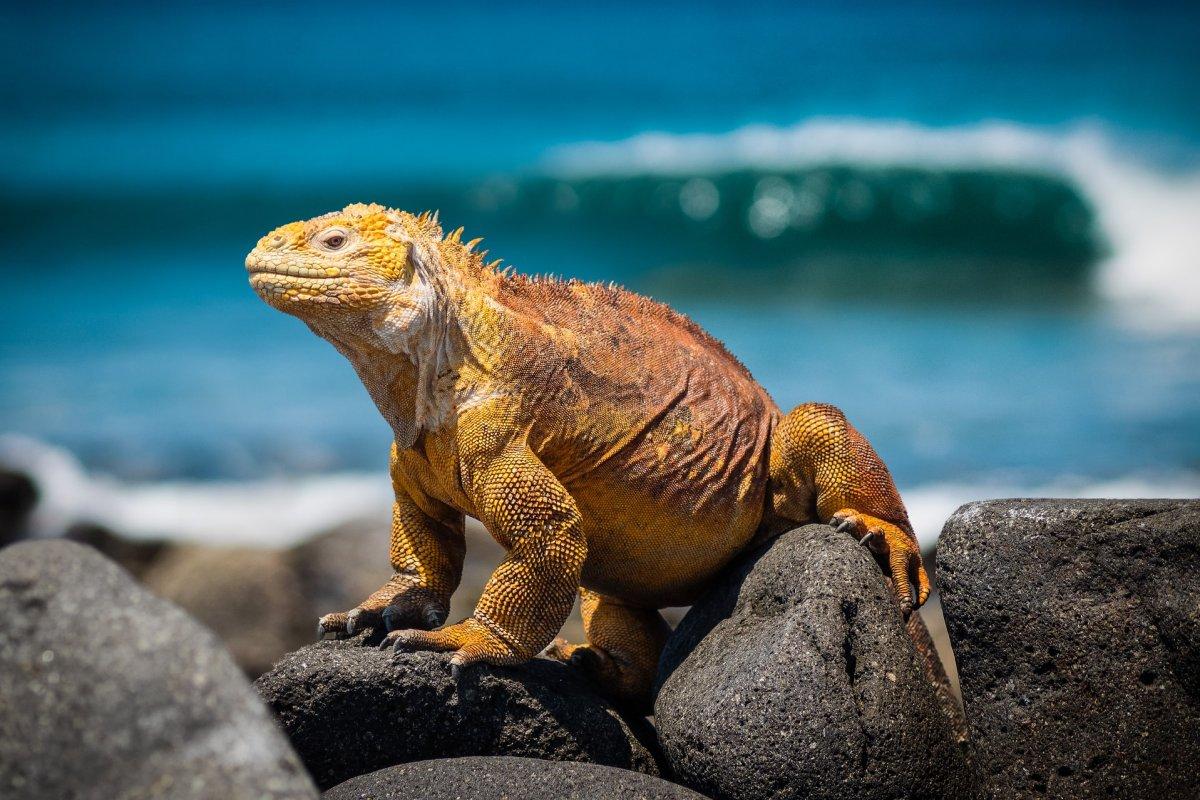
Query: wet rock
point(108, 691)
point(349, 710)
point(18, 496)
point(1076, 624)
point(795, 678)
point(506, 777)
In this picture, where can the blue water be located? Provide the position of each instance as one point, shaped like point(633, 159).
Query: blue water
point(957, 308)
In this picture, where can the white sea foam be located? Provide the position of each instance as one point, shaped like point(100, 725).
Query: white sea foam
point(1150, 217)
point(283, 511)
point(275, 511)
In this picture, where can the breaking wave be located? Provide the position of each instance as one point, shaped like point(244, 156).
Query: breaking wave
point(1071, 204)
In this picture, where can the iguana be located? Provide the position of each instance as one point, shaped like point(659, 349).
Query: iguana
point(608, 443)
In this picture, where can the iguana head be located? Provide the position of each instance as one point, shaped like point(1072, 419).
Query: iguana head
point(336, 267)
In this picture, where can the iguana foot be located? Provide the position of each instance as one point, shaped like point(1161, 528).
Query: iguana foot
point(616, 678)
point(585, 657)
point(471, 640)
point(899, 550)
point(393, 607)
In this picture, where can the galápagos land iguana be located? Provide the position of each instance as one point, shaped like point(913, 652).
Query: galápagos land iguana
point(608, 443)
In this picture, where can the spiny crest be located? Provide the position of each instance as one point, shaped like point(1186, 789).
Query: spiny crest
point(464, 256)
point(426, 222)
point(428, 219)
point(542, 288)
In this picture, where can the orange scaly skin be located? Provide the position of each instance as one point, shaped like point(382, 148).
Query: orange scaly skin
point(612, 446)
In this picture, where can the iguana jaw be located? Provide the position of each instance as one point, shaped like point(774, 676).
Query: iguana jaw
point(284, 290)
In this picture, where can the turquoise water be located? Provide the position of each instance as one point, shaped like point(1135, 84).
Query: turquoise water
point(973, 228)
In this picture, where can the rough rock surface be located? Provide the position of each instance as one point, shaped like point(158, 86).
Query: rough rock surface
point(1076, 624)
point(506, 778)
point(795, 678)
point(349, 709)
point(106, 691)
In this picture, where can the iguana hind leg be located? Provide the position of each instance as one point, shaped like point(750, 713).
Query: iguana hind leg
point(821, 465)
point(622, 650)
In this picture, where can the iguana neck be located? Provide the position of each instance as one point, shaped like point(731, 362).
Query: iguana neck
point(420, 361)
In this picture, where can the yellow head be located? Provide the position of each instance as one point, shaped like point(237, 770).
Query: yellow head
point(363, 258)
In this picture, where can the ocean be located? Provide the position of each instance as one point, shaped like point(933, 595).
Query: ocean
point(974, 227)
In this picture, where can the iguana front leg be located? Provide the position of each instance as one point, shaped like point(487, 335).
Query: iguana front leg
point(426, 553)
point(530, 594)
point(818, 458)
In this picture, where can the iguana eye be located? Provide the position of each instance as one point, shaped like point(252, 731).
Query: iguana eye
point(333, 239)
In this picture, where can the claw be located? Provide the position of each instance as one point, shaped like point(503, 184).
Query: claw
point(391, 616)
point(327, 625)
point(433, 617)
point(456, 670)
point(844, 525)
point(351, 619)
point(866, 539)
point(402, 643)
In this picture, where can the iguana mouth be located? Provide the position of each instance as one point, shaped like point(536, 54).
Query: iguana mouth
point(300, 273)
point(257, 265)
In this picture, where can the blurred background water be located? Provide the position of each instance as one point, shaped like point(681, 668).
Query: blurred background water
point(974, 227)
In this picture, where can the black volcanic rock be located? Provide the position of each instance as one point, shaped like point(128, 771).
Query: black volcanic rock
point(506, 778)
point(796, 678)
point(18, 496)
point(1076, 625)
point(350, 709)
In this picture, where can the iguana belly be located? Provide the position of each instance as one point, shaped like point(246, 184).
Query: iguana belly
point(664, 515)
point(653, 554)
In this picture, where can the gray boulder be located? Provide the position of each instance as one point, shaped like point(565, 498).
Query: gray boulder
point(506, 778)
point(108, 692)
point(1076, 624)
point(795, 677)
point(350, 709)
